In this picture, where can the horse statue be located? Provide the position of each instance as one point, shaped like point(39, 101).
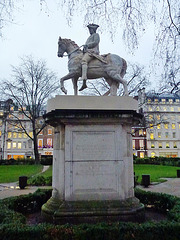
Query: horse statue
point(113, 68)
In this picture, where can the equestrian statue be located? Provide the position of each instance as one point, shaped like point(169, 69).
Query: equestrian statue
point(88, 64)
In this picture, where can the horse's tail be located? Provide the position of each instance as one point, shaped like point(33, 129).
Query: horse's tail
point(124, 67)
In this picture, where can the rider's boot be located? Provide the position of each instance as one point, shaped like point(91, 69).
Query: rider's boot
point(84, 76)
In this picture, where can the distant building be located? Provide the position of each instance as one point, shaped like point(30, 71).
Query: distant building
point(14, 141)
point(45, 140)
point(162, 113)
point(139, 141)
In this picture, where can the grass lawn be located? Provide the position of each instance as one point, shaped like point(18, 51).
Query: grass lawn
point(11, 173)
point(47, 173)
point(156, 172)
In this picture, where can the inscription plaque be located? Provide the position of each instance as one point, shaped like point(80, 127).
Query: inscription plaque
point(93, 146)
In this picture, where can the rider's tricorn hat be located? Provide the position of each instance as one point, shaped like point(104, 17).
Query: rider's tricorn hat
point(93, 26)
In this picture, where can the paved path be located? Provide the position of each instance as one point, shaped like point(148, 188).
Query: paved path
point(171, 186)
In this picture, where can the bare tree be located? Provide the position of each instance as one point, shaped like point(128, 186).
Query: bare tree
point(136, 78)
point(6, 13)
point(33, 83)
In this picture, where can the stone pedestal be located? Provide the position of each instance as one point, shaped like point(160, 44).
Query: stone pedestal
point(93, 177)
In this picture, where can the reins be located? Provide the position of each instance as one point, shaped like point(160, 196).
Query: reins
point(67, 55)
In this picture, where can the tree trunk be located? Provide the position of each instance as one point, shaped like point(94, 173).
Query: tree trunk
point(36, 153)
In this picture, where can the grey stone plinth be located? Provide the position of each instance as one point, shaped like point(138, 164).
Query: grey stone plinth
point(76, 212)
point(92, 158)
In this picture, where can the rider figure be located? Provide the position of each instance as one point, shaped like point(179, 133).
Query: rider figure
point(90, 51)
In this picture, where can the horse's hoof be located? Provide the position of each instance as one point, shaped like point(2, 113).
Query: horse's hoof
point(63, 90)
point(83, 87)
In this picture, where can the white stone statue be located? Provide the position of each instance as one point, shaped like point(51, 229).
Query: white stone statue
point(88, 64)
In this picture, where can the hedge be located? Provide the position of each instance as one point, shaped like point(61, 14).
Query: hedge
point(12, 161)
point(13, 223)
point(158, 161)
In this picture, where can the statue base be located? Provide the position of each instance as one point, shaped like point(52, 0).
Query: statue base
point(93, 177)
point(77, 212)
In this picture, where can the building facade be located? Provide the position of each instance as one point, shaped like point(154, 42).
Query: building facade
point(15, 126)
point(45, 140)
point(162, 114)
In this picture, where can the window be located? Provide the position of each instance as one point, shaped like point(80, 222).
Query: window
point(140, 132)
point(166, 134)
point(8, 145)
point(41, 133)
point(170, 101)
point(24, 144)
point(159, 134)
point(14, 144)
point(151, 135)
point(150, 117)
point(173, 118)
point(141, 154)
point(149, 100)
point(49, 131)
point(164, 109)
point(20, 135)
point(179, 125)
point(156, 100)
point(40, 143)
point(158, 117)
point(9, 134)
point(166, 125)
point(157, 108)
point(49, 142)
point(172, 109)
point(160, 145)
point(0, 133)
point(174, 145)
point(25, 135)
point(173, 126)
point(150, 109)
point(167, 144)
point(177, 100)
point(178, 109)
point(14, 135)
point(19, 145)
point(151, 126)
point(31, 134)
point(133, 143)
point(174, 135)
point(29, 143)
point(153, 154)
point(0, 122)
point(152, 145)
point(159, 126)
point(163, 100)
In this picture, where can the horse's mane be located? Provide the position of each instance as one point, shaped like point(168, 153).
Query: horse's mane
point(66, 40)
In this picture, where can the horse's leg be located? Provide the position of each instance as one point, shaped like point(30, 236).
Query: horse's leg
point(109, 81)
point(117, 78)
point(68, 76)
point(113, 89)
point(74, 80)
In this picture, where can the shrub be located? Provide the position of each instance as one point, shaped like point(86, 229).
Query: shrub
point(40, 181)
point(158, 161)
point(46, 160)
point(13, 224)
point(12, 161)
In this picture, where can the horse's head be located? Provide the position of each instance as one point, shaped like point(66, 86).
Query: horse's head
point(61, 47)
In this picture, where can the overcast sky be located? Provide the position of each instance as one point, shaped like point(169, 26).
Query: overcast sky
point(36, 32)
